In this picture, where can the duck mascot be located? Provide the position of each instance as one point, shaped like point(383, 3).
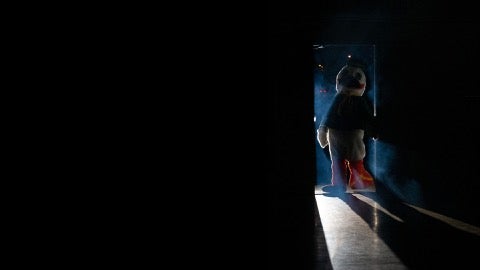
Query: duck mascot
point(343, 128)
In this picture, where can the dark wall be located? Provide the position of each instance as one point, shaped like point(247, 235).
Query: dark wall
point(291, 165)
point(428, 105)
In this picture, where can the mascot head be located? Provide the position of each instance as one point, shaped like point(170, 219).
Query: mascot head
point(351, 79)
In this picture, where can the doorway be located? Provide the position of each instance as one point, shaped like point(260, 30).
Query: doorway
point(328, 60)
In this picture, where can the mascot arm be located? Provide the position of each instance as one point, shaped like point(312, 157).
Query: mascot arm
point(322, 136)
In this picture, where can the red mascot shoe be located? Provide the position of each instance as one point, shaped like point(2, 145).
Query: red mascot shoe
point(360, 178)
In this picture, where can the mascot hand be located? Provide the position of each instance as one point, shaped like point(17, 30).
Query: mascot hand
point(322, 136)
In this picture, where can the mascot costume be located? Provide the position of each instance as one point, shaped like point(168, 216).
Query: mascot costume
point(343, 129)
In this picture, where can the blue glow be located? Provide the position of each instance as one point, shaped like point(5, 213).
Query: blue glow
point(392, 173)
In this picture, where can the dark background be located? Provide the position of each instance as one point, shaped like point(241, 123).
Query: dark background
point(428, 105)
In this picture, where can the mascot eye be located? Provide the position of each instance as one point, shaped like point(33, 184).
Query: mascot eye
point(358, 76)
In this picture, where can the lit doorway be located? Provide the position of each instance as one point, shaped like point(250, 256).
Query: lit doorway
point(328, 60)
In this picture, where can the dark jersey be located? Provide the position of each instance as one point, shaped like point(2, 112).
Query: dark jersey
point(348, 112)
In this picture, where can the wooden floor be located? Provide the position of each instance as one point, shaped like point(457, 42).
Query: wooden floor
point(375, 230)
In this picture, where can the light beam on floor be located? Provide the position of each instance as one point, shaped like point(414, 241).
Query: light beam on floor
point(352, 244)
point(375, 205)
point(450, 221)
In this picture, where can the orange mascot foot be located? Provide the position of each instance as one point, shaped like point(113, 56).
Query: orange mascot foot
point(360, 178)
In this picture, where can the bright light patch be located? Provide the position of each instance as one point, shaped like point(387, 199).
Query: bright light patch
point(375, 205)
point(347, 235)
